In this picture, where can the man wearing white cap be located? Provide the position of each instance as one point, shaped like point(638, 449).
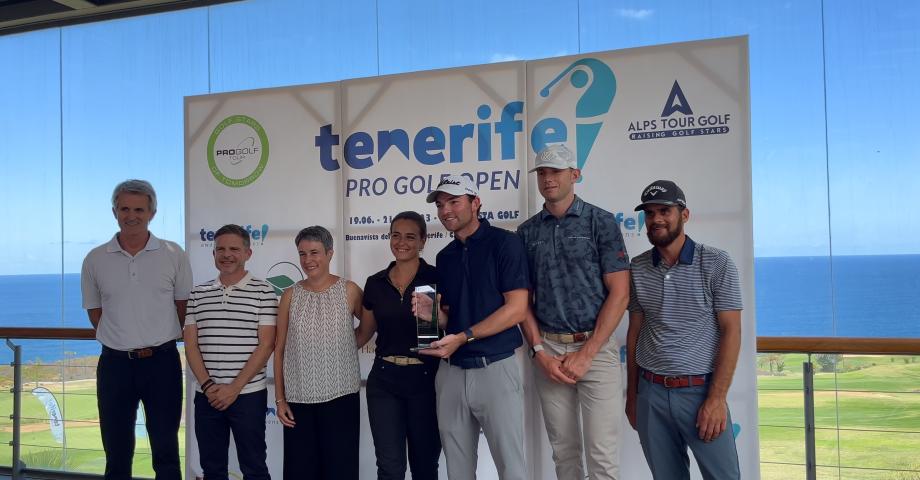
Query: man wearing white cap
point(483, 282)
point(579, 273)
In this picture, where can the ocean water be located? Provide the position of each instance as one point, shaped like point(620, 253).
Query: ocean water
point(851, 296)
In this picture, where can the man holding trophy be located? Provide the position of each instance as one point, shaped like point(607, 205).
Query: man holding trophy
point(483, 286)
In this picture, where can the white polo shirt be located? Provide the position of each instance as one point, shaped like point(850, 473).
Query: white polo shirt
point(137, 293)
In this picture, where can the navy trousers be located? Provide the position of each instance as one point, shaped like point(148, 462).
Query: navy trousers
point(246, 419)
point(121, 383)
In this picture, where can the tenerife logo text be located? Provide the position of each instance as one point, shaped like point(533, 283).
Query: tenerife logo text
point(429, 143)
point(678, 120)
point(439, 144)
point(631, 223)
point(257, 235)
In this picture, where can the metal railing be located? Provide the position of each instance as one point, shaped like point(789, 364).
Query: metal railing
point(809, 346)
point(831, 346)
point(18, 469)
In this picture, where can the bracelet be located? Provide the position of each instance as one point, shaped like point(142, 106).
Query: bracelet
point(206, 385)
point(278, 401)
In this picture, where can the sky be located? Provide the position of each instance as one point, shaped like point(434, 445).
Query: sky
point(834, 148)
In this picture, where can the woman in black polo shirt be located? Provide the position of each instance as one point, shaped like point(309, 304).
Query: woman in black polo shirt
point(400, 387)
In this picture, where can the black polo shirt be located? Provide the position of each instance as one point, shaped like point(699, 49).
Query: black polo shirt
point(396, 332)
point(472, 278)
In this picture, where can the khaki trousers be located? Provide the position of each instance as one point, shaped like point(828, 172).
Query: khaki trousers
point(584, 419)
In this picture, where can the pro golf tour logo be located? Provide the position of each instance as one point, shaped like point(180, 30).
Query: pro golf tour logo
point(237, 151)
point(679, 120)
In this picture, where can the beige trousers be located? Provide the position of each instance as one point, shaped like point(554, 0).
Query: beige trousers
point(584, 419)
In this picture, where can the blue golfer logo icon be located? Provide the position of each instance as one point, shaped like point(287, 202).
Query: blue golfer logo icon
point(599, 89)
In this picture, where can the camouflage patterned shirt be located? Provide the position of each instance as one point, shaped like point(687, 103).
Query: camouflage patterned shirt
point(568, 258)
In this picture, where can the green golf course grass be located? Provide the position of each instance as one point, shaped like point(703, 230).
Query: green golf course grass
point(867, 418)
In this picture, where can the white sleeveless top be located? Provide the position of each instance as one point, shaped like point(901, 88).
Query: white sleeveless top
point(320, 353)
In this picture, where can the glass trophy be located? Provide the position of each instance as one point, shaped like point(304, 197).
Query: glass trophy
point(427, 331)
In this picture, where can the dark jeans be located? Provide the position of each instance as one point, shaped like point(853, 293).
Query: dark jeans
point(323, 445)
point(120, 384)
point(401, 408)
point(246, 419)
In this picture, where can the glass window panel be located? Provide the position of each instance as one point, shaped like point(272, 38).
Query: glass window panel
point(792, 271)
point(779, 391)
point(824, 473)
point(873, 60)
point(879, 450)
point(422, 35)
point(867, 474)
point(770, 471)
point(124, 82)
point(30, 197)
point(782, 445)
point(270, 43)
point(826, 446)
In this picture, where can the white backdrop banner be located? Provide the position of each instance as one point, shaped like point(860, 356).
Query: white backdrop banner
point(350, 155)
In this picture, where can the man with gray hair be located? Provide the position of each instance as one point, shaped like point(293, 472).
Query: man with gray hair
point(135, 288)
point(579, 273)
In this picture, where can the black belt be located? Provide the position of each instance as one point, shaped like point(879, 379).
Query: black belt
point(467, 363)
point(139, 353)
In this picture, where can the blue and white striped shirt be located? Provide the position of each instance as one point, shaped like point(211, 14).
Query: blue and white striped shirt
point(680, 333)
point(228, 320)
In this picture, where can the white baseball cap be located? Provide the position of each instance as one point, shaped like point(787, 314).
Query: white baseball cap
point(453, 185)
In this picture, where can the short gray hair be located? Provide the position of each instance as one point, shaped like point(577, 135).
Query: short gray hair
point(139, 187)
point(315, 233)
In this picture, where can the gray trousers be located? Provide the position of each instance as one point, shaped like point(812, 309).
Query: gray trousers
point(584, 419)
point(490, 398)
point(666, 422)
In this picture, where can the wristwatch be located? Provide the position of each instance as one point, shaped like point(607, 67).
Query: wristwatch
point(536, 348)
point(469, 335)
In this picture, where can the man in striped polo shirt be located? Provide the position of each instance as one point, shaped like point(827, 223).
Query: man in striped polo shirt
point(683, 340)
point(229, 336)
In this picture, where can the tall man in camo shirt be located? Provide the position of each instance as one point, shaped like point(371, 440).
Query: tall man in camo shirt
point(580, 277)
point(684, 337)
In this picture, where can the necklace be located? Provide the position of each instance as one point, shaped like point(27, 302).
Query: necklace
point(400, 286)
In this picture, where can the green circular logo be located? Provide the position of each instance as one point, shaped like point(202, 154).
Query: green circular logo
point(237, 151)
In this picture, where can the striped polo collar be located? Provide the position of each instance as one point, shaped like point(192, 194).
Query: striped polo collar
point(240, 284)
point(686, 253)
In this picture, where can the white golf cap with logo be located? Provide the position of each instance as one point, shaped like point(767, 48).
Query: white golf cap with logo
point(453, 185)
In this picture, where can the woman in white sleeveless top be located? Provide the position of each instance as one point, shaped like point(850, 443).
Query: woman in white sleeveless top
point(317, 376)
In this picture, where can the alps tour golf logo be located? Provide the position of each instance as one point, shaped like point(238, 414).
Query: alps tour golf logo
point(678, 119)
point(237, 151)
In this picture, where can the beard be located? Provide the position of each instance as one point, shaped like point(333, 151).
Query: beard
point(663, 239)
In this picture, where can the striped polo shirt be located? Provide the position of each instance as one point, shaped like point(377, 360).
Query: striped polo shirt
point(228, 320)
point(680, 333)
